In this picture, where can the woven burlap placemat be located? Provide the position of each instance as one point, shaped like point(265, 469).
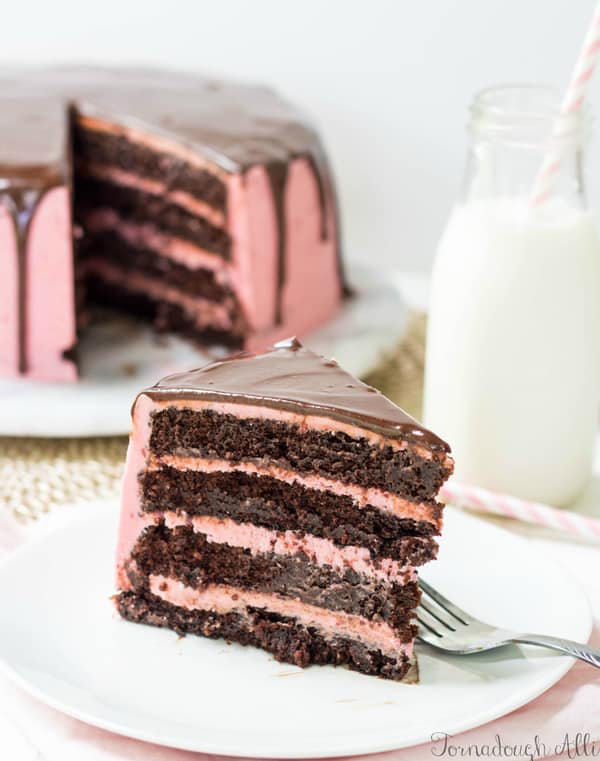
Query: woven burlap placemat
point(37, 474)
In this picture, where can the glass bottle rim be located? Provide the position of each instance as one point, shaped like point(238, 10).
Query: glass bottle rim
point(527, 115)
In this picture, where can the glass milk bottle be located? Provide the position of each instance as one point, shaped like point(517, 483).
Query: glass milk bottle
point(513, 345)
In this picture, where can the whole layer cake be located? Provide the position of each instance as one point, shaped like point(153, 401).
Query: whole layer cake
point(276, 501)
point(205, 207)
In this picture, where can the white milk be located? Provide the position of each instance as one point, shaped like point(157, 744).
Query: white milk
point(513, 347)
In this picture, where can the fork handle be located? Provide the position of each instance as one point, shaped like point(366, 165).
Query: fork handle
point(576, 649)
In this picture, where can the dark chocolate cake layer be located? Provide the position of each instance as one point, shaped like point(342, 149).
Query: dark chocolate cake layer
point(333, 454)
point(286, 640)
point(184, 554)
point(108, 246)
point(164, 317)
point(279, 506)
point(138, 206)
point(94, 147)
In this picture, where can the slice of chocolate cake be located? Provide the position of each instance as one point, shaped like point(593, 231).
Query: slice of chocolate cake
point(274, 500)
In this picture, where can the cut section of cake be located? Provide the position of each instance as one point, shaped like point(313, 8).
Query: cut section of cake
point(205, 207)
point(274, 500)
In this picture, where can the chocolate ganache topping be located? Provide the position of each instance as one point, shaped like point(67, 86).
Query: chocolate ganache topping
point(291, 377)
point(234, 126)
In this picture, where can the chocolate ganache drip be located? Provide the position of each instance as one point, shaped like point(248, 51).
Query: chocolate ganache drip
point(21, 204)
point(34, 131)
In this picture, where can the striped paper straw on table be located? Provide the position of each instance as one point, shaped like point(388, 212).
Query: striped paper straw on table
point(571, 104)
point(482, 500)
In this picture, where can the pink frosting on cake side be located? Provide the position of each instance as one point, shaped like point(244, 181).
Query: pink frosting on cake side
point(311, 267)
point(50, 285)
point(51, 289)
point(9, 356)
point(224, 599)
point(253, 250)
point(131, 521)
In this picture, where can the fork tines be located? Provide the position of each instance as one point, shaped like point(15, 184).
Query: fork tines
point(437, 615)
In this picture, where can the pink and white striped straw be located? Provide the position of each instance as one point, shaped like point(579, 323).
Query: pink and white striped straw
point(571, 104)
point(475, 498)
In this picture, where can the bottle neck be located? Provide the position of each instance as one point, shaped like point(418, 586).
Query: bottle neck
point(496, 170)
point(512, 130)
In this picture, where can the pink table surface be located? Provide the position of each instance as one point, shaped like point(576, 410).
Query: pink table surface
point(568, 713)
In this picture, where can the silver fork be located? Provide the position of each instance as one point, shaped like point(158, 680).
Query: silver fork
point(451, 629)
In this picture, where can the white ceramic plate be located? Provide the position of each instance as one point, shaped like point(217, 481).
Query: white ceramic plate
point(61, 641)
point(122, 356)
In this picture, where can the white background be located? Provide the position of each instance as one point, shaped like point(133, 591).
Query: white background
point(388, 81)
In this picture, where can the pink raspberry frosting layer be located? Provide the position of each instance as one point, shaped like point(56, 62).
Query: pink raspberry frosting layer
point(203, 312)
point(225, 599)
point(154, 187)
point(261, 540)
point(146, 235)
